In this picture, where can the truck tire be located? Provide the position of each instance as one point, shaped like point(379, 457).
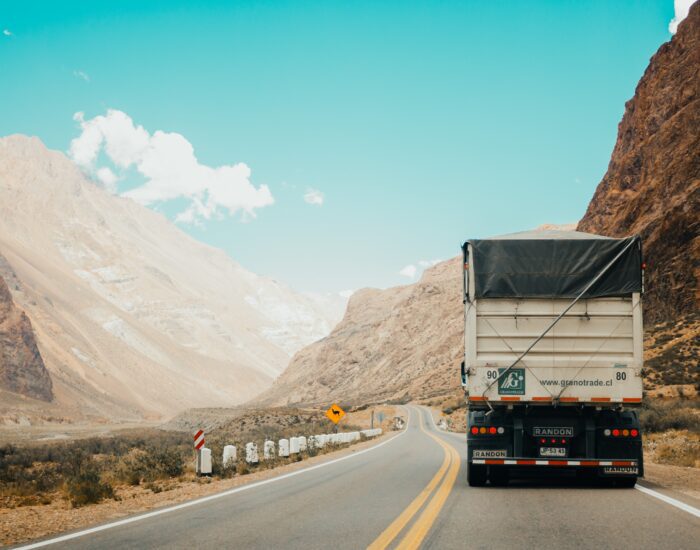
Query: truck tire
point(476, 475)
point(499, 476)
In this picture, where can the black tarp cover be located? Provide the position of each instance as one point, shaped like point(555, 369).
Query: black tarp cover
point(556, 267)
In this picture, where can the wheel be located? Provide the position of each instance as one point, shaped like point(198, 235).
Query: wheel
point(626, 482)
point(476, 475)
point(499, 476)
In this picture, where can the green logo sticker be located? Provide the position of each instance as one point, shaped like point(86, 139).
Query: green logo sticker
point(513, 383)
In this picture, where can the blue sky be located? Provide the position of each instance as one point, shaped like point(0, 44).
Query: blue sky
point(419, 123)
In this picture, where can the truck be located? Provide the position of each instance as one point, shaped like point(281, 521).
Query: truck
point(553, 357)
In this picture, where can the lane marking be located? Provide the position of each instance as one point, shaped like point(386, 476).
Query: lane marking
point(668, 500)
point(415, 536)
point(396, 526)
point(161, 511)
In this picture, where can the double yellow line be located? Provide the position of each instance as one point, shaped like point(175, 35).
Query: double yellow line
point(445, 478)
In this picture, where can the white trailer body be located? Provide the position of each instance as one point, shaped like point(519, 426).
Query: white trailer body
point(592, 355)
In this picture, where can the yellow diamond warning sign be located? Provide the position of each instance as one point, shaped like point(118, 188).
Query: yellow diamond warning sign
point(335, 413)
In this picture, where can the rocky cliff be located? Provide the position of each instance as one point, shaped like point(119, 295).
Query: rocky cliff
point(22, 369)
point(398, 343)
point(652, 185)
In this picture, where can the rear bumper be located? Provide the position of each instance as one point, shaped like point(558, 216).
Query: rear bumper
point(582, 463)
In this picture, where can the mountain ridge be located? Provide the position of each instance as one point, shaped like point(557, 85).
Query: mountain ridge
point(134, 318)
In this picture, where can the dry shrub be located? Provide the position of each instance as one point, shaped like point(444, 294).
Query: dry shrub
point(148, 465)
point(678, 448)
point(242, 468)
point(84, 484)
point(680, 414)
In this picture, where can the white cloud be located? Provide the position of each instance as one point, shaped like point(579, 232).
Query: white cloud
point(82, 75)
point(169, 166)
point(7, 32)
point(346, 293)
point(108, 178)
point(409, 271)
point(681, 8)
point(314, 196)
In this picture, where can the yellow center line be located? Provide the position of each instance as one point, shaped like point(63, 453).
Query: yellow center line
point(391, 532)
point(421, 527)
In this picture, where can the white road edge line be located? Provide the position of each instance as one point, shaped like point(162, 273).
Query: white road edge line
point(668, 500)
point(148, 515)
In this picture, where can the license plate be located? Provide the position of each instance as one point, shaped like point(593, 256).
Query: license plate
point(553, 451)
point(629, 470)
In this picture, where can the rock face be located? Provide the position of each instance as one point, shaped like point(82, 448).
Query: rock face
point(392, 344)
point(652, 186)
point(22, 369)
point(135, 319)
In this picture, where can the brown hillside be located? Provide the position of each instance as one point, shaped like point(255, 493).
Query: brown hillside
point(652, 186)
point(392, 344)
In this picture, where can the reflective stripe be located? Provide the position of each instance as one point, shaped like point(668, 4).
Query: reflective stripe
point(534, 462)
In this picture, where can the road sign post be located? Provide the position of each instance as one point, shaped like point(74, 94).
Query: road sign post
point(335, 415)
point(198, 444)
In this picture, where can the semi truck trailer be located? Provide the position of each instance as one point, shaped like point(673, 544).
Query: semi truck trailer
point(552, 368)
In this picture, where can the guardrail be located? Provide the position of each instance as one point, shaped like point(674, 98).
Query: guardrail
point(284, 448)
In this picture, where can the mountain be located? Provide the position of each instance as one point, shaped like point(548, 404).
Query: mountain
point(406, 342)
point(133, 318)
point(652, 185)
point(396, 343)
point(22, 369)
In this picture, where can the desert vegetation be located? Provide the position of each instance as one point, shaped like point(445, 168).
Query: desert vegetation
point(87, 471)
point(671, 356)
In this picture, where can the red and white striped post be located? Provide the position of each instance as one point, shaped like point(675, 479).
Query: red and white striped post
point(198, 444)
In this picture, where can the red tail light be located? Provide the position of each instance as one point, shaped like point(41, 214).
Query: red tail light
point(475, 430)
point(616, 432)
point(492, 430)
point(634, 433)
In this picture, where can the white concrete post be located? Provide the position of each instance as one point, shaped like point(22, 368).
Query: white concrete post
point(269, 450)
point(293, 445)
point(283, 446)
point(302, 443)
point(229, 457)
point(205, 461)
point(251, 453)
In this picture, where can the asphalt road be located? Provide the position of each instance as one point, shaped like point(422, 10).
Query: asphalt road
point(409, 492)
